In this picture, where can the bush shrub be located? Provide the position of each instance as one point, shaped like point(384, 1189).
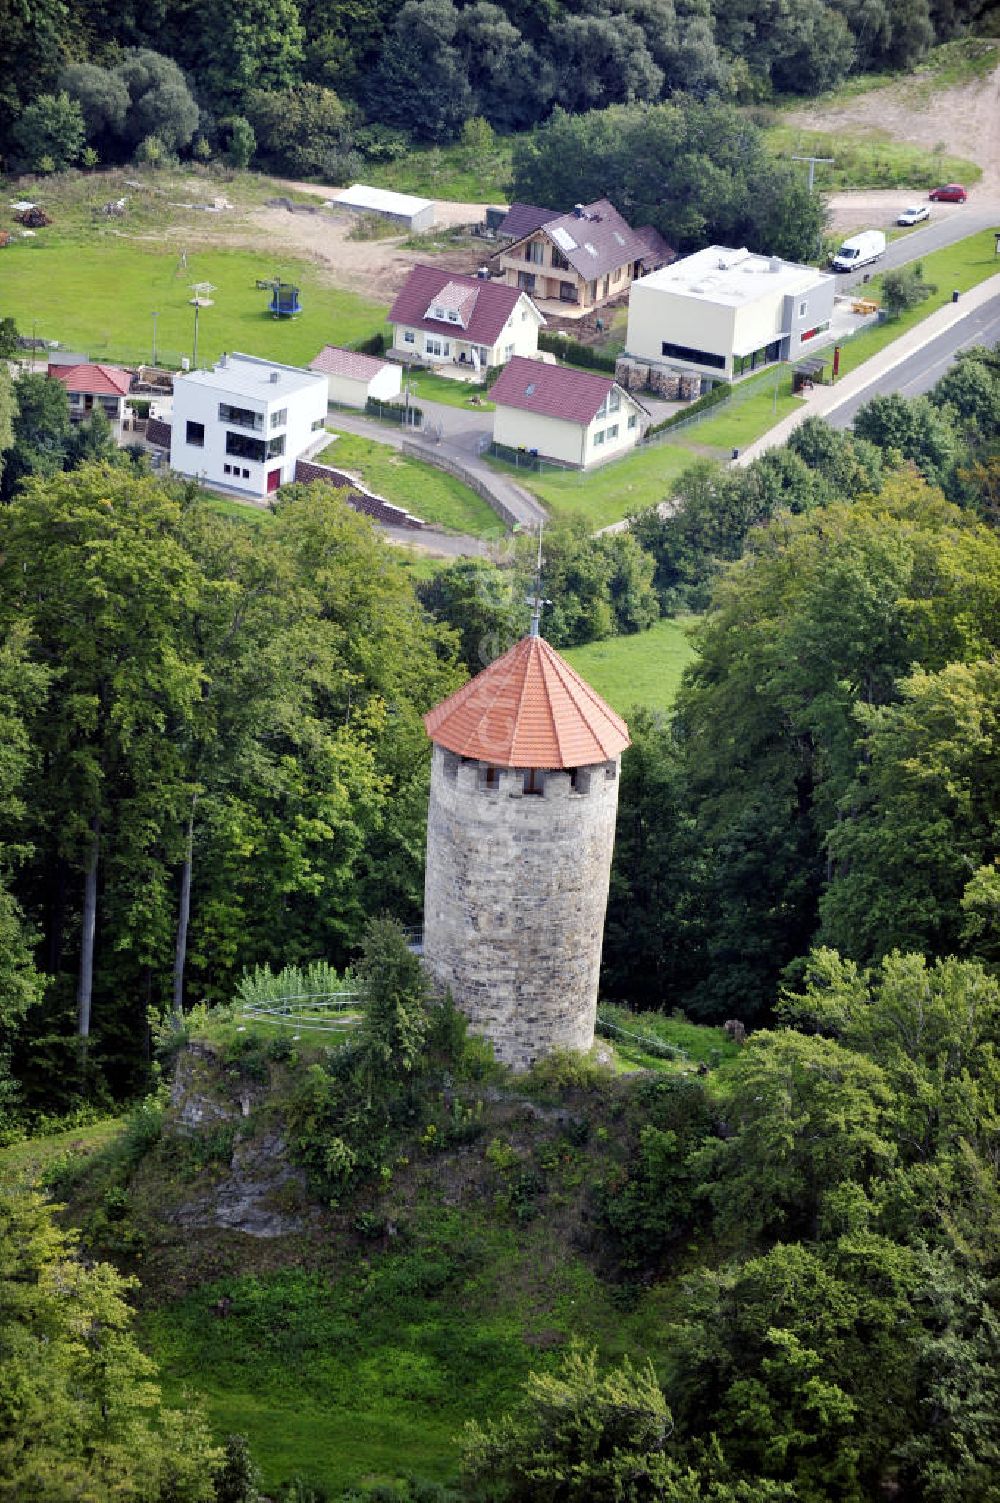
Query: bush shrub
point(577, 353)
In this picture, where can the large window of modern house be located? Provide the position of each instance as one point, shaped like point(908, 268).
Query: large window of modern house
point(534, 252)
point(696, 357)
point(559, 262)
point(436, 346)
point(243, 417)
point(280, 418)
point(276, 446)
point(195, 434)
point(246, 448)
point(753, 362)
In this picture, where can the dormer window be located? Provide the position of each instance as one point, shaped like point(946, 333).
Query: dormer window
point(452, 316)
point(438, 311)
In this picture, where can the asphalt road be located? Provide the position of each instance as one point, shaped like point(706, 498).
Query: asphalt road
point(948, 223)
point(925, 366)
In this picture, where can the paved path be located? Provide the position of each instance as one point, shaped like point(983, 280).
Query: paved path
point(949, 224)
point(870, 377)
point(462, 434)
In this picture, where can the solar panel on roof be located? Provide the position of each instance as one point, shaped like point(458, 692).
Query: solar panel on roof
point(619, 238)
point(529, 390)
point(563, 238)
point(589, 248)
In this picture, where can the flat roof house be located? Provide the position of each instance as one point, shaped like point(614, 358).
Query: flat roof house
point(580, 259)
point(440, 318)
point(570, 416)
point(725, 312)
point(242, 426)
point(89, 386)
point(352, 378)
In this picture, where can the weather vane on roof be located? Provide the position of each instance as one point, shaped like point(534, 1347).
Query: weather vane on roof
point(537, 601)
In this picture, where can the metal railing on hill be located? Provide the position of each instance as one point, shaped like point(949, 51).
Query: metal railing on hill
point(658, 1048)
point(313, 1010)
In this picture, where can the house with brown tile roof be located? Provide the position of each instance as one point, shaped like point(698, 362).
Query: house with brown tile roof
point(582, 259)
point(352, 378)
point(440, 318)
point(573, 417)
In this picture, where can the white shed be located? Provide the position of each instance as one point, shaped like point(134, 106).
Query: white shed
point(353, 378)
point(412, 213)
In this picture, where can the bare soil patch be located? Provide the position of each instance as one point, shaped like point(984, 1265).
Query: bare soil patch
point(963, 121)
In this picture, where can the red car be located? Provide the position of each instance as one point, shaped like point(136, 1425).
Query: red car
point(951, 193)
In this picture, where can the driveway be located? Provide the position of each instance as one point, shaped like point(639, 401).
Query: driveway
point(463, 437)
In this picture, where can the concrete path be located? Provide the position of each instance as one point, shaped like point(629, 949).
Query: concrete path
point(462, 435)
point(825, 399)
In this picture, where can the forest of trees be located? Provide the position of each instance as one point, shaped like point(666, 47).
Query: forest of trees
point(316, 87)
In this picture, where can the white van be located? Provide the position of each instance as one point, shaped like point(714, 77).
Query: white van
point(859, 250)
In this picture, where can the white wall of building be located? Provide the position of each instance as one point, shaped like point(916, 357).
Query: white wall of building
point(354, 391)
point(295, 412)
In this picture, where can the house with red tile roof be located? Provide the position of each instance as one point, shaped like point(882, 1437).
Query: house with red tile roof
point(574, 417)
point(581, 259)
point(90, 385)
point(353, 378)
point(440, 318)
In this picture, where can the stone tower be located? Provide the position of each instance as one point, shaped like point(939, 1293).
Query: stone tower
point(520, 832)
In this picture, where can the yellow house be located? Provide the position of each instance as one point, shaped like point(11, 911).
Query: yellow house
point(440, 318)
point(570, 416)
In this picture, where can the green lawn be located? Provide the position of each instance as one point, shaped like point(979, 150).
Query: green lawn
point(239, 511)
point(869, 159)
point(369, 1375)
point(747, 416)
point(959, 266)
point(98, 295)
point(608, 494)
point(418, 487)
point(43, 1157)
point(644, 669)
point(427, 386)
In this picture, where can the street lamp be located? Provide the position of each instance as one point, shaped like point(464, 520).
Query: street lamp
point(200, 300)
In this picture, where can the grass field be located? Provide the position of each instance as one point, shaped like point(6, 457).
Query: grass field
point(370, 1376)
point(644, 669)
point(99, 296)
point(959, 266)
point(866, 159)
point(608, 494)
point(427, 386)
point(420, 488)
point(42, 1157)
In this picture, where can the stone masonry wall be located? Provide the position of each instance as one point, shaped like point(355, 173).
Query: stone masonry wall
point(515, 897)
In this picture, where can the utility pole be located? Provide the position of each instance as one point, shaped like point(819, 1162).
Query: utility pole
point(812, 166)
point(155, 317)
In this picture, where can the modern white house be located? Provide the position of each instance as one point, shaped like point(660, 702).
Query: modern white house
point(441, 318)
point(724, 313)
point(571, 416)
point(352, 378)
point(243, 425)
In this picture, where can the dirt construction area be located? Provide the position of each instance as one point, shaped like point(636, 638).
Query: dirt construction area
point(376, 268)
point(963, 120)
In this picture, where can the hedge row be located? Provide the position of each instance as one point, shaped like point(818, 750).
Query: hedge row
point(714, 398)
point(576, 353)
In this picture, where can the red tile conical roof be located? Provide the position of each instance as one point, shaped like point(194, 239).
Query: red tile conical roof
point(528, 709)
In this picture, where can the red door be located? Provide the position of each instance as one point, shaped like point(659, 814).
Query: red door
point(273, 480)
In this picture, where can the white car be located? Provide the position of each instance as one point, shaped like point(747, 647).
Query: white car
point(914, 215)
